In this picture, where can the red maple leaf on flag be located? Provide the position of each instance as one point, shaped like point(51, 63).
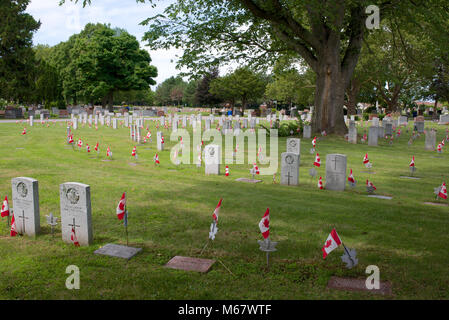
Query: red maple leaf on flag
point(328, 243)
point(266, 223)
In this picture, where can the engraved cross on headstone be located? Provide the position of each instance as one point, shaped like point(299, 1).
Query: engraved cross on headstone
point(288, 178)
point(73, 225)
point(335, 162)
point(23, 221)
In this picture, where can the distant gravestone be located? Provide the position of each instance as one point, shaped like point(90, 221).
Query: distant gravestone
point(336, 172)
point(119, 251)
point(307, 134)
point(76, 212)
point(184, 121)
point(431, 138)
point(444, 119)
point(212, 159)
point(388, 129)
point(403, 120)
point(207, 123)
point(420, 126)
point(352, 133)
point(31, 121)
point(114, 123)
point(25, 197)
point(372, 136)
point(294, 145)
point(380, 131)
point(290, 169)
point(160, 145)
point(175, 125)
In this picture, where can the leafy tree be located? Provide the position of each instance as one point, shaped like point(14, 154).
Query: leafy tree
point(170, 91)
point(291, 87)
point(16, 53)
point(189, 92)
point(203, 96)
point(241, 85)
point(100, 61)
point(328, 35)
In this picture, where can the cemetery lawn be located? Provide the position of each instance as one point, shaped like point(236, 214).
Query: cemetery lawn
point(170, 213)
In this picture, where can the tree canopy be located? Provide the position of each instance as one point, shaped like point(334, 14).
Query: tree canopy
point(16, 53)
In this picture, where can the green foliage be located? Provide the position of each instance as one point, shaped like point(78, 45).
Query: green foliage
point(100, 61)
point(203, 95)
point(16, 54)
point(243, 85)
point(170, 92)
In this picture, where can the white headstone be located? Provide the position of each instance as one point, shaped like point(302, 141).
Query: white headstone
point(76, 212)
point(336, 172)
point(25, 199)
point(212, 159)
point(289, 169)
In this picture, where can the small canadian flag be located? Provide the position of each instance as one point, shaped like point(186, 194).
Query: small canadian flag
point(80, 143)
point(227, 171)
point(13, 231)
point(443, 191)
point(217, 211)
point(5, 208)
point(108, 152)
point(149, 135)
point(73, 238)
point(264, 224)
point(24, 131)
point(134, 152)
point(156, 159)
point(332, 242)
point(96, 147)
point(365, 159)
point(439, 147)
point(87, 148)
point(162, 140)
point(256, 168)
point(317, 162)
point(412, 163)
point(320, 183)
point(314, 142)
point(121, 207)
point(351, 177)
point(370, 184)
point(71, 139)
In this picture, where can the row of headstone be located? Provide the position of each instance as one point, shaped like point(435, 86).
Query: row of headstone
point(75, 206)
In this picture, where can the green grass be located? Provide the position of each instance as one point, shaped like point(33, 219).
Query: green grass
point(170, 213)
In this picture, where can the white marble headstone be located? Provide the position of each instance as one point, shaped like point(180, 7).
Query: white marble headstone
point(76, 212)
point(25, 198)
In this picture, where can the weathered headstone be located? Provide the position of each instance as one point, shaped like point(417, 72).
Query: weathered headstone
point(290, 169)
point(31, 121)
point(160, 145)
point(336, 172)
point(25, 197)
point(307, 134)
point(431, 139)
point(76, 212)
point(190, 264)
point(294, 145)
point(380, 131)
point(420, 126)
point(388, 129)
point(212, 159)
point(352, 133)
point(372, 136)
point(114, 123)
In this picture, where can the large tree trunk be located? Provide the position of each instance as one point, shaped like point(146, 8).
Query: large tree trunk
point(352, 93)
point(329, 94)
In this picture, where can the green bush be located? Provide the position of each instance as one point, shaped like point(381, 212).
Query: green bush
point(365, 116)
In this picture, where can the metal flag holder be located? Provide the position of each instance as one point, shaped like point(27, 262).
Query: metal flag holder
point(52, 221)
point(267, 246)
point(412, 170)
point(212, 233)
point(352, 184)
point(349, 257)
point(312, 173)
point(252, 171)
